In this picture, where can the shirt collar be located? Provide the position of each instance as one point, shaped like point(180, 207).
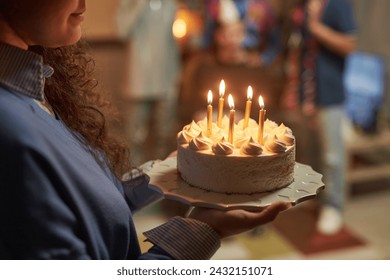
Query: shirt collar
point(23, 71)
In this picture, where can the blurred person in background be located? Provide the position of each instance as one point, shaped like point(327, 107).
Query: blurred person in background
point(228, 38)
point(325, 33)
point(154, 73)
point(259, 21)
point(67, 188)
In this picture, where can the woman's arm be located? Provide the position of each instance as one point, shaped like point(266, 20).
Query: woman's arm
point(338, 42)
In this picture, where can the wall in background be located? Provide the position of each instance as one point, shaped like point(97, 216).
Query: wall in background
point(100, 19)
point(374, 37)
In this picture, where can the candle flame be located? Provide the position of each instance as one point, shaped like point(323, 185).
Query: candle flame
point(231, 102)
point(250, 93)
point(261, 102)
point(209, 97)
point(222, 89)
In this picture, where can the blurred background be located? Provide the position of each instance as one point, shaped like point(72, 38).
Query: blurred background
point(156, 61)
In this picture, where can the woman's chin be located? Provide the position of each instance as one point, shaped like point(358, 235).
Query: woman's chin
point(68, 41)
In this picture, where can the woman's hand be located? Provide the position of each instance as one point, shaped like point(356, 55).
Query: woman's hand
point(227, 223)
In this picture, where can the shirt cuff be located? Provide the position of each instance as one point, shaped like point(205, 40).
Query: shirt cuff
point(185, 239)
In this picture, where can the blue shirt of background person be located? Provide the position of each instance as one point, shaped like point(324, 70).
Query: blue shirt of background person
point(337, 15)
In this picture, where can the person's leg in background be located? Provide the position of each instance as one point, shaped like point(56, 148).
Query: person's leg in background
point(331, 121)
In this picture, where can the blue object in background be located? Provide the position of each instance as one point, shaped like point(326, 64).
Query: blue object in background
point(364, 84)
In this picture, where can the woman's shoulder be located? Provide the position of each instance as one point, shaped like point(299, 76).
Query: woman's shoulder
point(16, 118)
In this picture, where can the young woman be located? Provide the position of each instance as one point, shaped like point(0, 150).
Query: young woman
point(61, 190)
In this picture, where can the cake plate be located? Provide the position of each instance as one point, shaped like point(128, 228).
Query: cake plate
point(165, 178)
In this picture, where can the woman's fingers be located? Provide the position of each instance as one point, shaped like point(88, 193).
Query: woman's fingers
point(231, 222)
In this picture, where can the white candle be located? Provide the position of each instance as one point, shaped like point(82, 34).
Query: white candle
point(231, 119)
point(261, 120)
point(221, 102)
point(248, 106)
point(209, 113)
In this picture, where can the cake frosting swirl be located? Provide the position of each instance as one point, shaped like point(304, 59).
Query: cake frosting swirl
point(184, 137)
point(200, 143)
point(275, 145)
point(223, 147)
point(251, 148)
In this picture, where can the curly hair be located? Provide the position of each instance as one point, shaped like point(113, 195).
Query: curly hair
point(73, 93)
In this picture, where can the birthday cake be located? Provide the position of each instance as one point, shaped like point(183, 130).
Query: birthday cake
point(206, 160)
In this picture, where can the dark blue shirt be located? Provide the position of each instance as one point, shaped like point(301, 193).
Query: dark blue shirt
point(338, 15)
point(55, 201)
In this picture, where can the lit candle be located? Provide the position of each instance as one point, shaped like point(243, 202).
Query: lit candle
point(220, 103)
point(209, 113)
point(231, 119)
point(248, 106)
point(261, 120)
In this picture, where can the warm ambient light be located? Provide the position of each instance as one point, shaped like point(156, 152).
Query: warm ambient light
point(179, 28)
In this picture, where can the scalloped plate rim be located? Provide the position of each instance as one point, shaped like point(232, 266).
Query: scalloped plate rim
point(199, 196)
